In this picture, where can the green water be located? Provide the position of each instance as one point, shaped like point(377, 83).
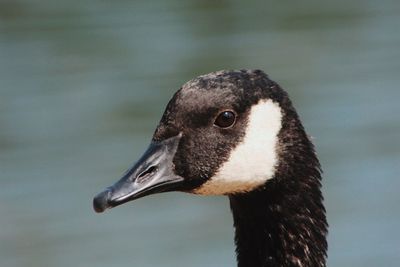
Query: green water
point(84, 83)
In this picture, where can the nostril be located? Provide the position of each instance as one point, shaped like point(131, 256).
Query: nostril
point(144, 176)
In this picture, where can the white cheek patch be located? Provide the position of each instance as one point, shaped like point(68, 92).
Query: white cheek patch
point(252, 162)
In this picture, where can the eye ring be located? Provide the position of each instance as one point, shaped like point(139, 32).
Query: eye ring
point(225, 119)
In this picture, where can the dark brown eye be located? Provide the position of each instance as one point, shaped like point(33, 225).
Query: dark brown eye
point(225, 119)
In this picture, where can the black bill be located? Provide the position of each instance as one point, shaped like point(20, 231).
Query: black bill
point(153, 173)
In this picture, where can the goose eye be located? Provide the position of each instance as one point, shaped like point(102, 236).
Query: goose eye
point(225, 119)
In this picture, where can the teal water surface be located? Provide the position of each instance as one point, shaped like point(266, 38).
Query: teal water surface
point(84, 83)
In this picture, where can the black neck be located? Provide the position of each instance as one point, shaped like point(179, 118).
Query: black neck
point(283, 224)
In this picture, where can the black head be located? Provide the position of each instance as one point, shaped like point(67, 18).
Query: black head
point(221, 133)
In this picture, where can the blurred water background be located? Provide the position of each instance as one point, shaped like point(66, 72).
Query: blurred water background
point(84, 83)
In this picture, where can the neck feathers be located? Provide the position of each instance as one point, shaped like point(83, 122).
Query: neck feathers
point(272, 229)
point(283, 223)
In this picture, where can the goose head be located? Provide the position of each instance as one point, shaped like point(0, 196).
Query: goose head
point(219, 135)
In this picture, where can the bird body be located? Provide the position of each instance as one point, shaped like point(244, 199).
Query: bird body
point(236, 133)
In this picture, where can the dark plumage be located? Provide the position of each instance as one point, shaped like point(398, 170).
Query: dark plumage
point(278, 214)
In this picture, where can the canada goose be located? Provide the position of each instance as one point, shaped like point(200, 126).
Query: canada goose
point(236, 133)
